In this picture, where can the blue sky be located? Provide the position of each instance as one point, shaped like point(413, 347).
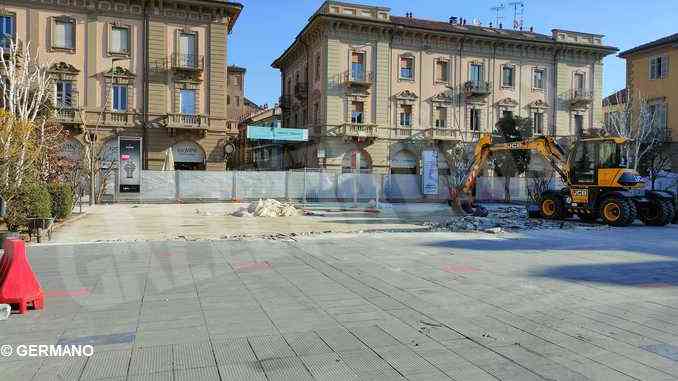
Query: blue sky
point(267, 27)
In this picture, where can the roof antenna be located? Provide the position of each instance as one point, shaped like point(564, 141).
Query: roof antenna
point(518, 14)
point(499, 10)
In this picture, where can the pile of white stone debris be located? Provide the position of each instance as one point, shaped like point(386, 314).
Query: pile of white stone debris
point(268, 208)
point(499, 219)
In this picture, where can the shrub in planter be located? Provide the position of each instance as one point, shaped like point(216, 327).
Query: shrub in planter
point(31, 201)
point(63, 199)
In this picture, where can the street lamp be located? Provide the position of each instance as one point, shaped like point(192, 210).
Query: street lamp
point(91, 137)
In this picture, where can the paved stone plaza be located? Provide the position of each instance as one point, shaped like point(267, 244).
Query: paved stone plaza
point(547, 305)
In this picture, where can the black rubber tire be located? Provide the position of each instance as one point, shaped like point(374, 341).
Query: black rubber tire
point(627, 211)
point(559, 205)
point(661, 213)
point(588, 217)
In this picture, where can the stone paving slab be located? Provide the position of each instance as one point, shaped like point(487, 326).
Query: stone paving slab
point(557, 305)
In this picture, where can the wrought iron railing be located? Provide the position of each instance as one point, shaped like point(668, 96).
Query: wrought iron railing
point(184, 61)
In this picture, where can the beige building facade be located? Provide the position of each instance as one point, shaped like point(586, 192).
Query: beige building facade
point(149, 69)
point(375, 90)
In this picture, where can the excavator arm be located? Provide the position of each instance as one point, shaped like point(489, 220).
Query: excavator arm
point(546, 146)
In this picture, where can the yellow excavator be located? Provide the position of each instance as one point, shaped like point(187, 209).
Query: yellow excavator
point(596, 183)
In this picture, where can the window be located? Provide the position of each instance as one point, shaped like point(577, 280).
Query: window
point(441, 71)
point(289, 85)
point(579, 82)
point(119, 98)
point(657, 112)
point(406, 116)
point(187, 102)
point(538, 123)
point(476, 74)
point(7, 25)
point(228, 99)
point(357, 112)
point(63, 33)
point(358, 66)
point(659, 67)
point(188, 50)
point(440, 117)
point(407, 68)
point(507, 114)
point(64, 94)
point(579, 125)
point(585, 162)
point(609, 155)
point(119, 40)
point(237, 100)
point(507, 76)
point(538, 79)
point(317, 67)
point(235, 80)
point(474, 120)
point(316, 112)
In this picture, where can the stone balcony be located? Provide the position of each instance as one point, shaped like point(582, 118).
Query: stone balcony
point(473, 89)
point(68, 115)
point(119, 119)
point(187, 121)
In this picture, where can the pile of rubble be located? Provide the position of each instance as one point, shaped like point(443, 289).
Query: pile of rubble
point(267, 208)
point(499, 219)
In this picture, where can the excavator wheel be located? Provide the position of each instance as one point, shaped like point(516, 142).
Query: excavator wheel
point(658, 213)
point(618, 211)
point(552, 207)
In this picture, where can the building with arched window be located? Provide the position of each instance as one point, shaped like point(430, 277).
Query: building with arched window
point(363, 80)
point(134, 68)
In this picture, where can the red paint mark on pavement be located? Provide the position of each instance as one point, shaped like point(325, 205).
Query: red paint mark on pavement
point(67, 293)
point(252, 266)
point(459, 269)
point(655, 285)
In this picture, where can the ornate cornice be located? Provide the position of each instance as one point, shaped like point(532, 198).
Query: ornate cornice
point(406, 95)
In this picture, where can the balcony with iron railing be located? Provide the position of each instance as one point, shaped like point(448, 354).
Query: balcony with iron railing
point(580, 98)
point(187, 121)
point(187, 62)
point(358, 78)
point(477, 89)
point(359, 130)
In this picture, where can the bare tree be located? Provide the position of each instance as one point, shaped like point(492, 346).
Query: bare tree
point(654, 164)
point(636, 120)
point(26, 101)
point(538, 182)
point(461, 157)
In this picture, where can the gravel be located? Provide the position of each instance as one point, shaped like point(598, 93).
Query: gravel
point(500, 219)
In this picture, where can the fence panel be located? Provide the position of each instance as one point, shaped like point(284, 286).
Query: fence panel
point(158, 186)
point(402, 187)
point(264, 184)
point(204, 185)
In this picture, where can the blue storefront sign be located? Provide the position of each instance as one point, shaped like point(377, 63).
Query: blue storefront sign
point(275, 133)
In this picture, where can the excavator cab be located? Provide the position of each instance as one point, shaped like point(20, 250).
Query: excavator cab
point(600, 186)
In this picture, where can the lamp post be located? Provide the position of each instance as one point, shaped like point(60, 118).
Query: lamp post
point(91, 138)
